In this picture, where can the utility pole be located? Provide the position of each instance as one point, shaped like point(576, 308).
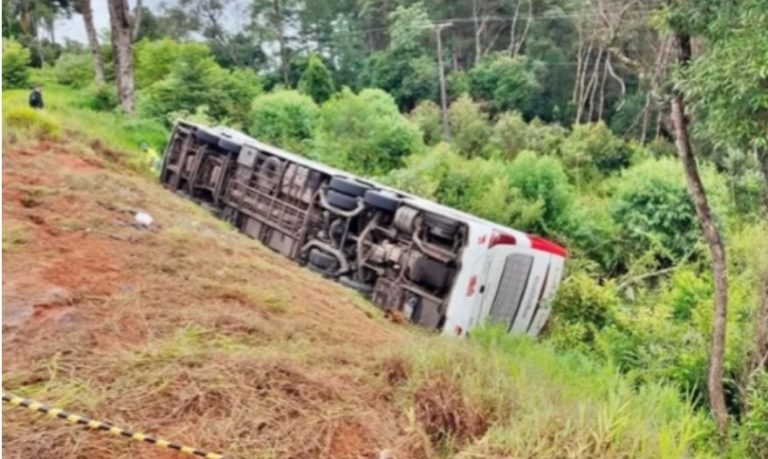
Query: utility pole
point(443, 96)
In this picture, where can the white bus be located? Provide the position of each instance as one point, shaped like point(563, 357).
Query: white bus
point(440, 268)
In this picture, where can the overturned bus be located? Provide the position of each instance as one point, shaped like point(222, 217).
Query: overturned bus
point(441, 268)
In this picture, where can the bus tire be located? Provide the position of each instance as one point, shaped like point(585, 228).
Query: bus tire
point(360, 287)
point(207, 136)
point(381, 200)
point(347, 186)
point(230, 146)
point(340, 200)
point(430, 272)
point(441, 226)
point(320, 259)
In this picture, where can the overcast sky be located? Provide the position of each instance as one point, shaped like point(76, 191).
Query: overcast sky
point(74, 29)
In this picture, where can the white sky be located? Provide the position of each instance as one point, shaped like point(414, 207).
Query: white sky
point(73, 28)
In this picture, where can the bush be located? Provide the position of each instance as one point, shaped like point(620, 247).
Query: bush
point(284, 118)
point(509, 135)
point(195, 81)
point(15, 65)
point(426, 115)
point(754, 429)
point(100, 97)
point(654, 211)
point(580, 310)
point(156, 59)
point(364, 133)
point(316, 80)
point(32, 122)
point(74, 70)
point(469, 127)
point(591, 150)
point(506, 82)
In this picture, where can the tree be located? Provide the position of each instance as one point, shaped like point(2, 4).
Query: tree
point(725, 86)
point(15, 65)
point(506, 83)
point(122, 45)
point(426, 116)
point(316, 80)
point(84, 7)
point(680, 122)
point(469, 126)
point(285, 118)
point(364, 133)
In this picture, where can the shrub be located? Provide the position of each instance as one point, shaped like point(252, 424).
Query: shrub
point(195, 81)
point(426, 115)
point(284, 118)
point(316, 80)
point(100, 97)
point(507, 82)
point(591, 150)
point(654, 211)
point(15, 65)
point(32, 122)
point(580, 310)
point(74, 70)
point(469, 127)
point(754, 429)
point(364, 133)
point(156, 59)
point(509, 135)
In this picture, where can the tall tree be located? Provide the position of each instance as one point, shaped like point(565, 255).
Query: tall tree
point(122, 46)
point(84, 8)
point(680, 123)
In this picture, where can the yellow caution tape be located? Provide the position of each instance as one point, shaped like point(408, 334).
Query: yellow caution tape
point(98, 425)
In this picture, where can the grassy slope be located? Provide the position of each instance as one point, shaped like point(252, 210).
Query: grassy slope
point(193, 331)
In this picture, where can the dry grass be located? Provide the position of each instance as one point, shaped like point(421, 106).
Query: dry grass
point(194, 332)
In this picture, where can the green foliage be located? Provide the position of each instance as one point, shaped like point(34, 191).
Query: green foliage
point(31, 122)
point(545, 402)
point(506, 82)
point(457, 83)
point(74, 70)
point(469, 126)
point(727, 82)
point(15, 65)
point(510, 134)
point(581, 309)
point(100, 97)
point(156, 59)
point(754, 429)
point(654, 211)
point(364, 133)
point(426, 115)
point(195, 81)
point(316, 80)
point(592, 150)
point(284, 118)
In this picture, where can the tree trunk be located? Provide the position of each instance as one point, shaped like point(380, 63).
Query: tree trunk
point(284, 58)
point(93, 40)
point(711, 234)
point(122, 45)
point(136, 21)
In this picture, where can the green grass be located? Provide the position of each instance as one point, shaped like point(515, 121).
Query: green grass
point(543, 403)
point(114, 129)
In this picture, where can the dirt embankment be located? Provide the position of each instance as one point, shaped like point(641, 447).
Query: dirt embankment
point(185, 329)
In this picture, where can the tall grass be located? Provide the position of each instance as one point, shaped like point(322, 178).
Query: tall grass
point(113, 128)
point(542, 403)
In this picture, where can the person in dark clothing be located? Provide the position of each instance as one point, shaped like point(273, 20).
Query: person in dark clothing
point(36, 98)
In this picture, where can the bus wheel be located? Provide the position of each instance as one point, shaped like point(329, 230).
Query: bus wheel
point(381, 200)
point(348, 186)
point(207, 136)
point(320, 259)
point(341, 200)
point(362, 288)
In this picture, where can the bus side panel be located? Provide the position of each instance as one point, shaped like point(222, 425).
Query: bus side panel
point(532, 292)
point(554, 277)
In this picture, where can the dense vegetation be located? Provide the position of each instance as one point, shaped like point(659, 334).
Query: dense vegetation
point(558, 125)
